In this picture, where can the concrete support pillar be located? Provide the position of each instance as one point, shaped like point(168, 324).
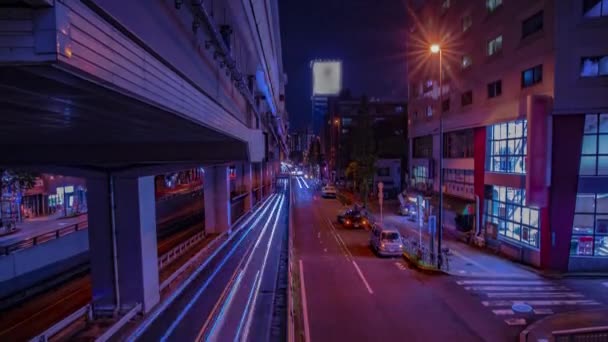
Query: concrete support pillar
point(217, 199)
point(122, 243)
point(248, 182)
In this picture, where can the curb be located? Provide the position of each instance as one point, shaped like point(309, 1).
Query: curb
point(566, 275)
point(422, 268)
point(523, 336)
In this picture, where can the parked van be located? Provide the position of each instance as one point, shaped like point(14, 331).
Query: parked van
point(385, 241)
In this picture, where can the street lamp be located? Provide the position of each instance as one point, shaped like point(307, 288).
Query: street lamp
point(436, 49)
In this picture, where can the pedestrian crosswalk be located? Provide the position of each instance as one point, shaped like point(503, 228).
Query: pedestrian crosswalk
point(520, 301)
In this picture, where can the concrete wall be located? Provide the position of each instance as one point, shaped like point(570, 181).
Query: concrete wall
point(43, 255)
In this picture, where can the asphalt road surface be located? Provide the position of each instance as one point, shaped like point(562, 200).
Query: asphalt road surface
point(231, 297)
point(353, 295)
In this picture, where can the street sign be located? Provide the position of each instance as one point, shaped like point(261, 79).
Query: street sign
point(432, 224)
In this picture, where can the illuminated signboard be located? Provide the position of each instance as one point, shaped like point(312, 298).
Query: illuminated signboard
point(326, 78)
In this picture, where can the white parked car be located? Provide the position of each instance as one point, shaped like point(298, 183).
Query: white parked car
point(329, 191)
point(386, 242)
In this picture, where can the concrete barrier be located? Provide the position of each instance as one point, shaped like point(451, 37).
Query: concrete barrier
point(28, 266)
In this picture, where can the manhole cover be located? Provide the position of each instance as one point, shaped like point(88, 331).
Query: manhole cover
point(521, 307)
point(469, 264)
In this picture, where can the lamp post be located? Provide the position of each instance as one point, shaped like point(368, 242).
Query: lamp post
point(436, 49)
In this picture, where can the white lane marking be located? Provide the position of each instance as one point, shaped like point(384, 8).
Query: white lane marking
point(538, 302)
point(543, 311)
point(146, 324)
point(516, 288)
point(304, 181)
point(219, 322)
point(515, 321)
point(605, 284)
point(535, 295)
point(503, 312)
point(502, 282)
point(208, 281)
point(299, 184)
point(338, 239)
point(369, 289)
point(249, 298)
point(262, 270)
point(304, 303)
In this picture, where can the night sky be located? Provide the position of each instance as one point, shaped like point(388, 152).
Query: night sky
point(367, 35)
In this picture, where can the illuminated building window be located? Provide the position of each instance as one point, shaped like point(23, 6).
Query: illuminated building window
point(594, 156)
point(513, 219)
point(495, 45)
point(459, 183)
point(467, 61)
point(467, 22)
point(590, 228)
point(421, 176)
point(594, 66)
point(494, 89)
point(492, 5)
point(532, 76)
point(507, 145)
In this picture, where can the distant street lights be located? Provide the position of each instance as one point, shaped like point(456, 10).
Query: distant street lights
point(436, 49)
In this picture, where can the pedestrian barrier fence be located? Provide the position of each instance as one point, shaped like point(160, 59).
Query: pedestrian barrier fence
point(84, 312)
point(180, 249)
point(42, 238)
point(592, 334)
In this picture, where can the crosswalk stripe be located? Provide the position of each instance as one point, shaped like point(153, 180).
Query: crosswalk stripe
point(515, 321)
point(503, 312)
point(534, 295)
point(543, 311)
point(493, 303)
point(516, 288)
point(502, 282)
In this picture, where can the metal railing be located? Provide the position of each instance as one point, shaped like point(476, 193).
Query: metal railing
point(424, 255)
point(592, 334)
point(42, 238)
point(237, 207)
point(179, 193)
point(85, 312)
point(177, 251)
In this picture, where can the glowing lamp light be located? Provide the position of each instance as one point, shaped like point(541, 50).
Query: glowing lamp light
point(435, 48)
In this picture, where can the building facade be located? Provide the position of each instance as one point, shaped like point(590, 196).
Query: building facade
point(387, 121)
point(525, 116)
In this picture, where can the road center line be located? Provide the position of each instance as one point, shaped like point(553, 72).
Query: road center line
point(304, 304)
point(369, 289)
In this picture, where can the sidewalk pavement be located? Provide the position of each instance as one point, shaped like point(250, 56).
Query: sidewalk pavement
point(465, 260)
point(582, 319)
point(30, 228)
